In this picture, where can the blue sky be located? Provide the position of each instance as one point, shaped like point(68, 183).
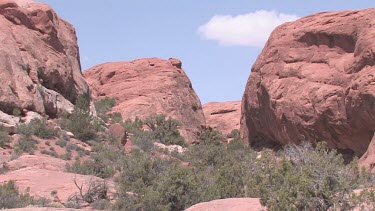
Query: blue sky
point(216, 52)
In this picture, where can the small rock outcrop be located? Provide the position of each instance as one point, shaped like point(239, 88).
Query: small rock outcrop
point(40, 69)
point(223, 116)
point(230, 204)
point(149, 86)
point(314, 81)
point(118, 133)
point(42, 182)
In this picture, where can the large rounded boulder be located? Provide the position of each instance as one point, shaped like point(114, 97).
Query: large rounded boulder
point(145, 87)
point(40, 69)
point(314, 81)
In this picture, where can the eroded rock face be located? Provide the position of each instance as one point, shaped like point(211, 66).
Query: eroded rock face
point(223, 116)
point(40, 68)
point(314, 81)
point(368, 159)
point(147, 86)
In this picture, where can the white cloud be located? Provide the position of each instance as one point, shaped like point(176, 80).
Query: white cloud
point(252, 29)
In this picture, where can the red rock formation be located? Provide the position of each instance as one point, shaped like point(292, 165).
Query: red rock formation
point(230, 204)
point(368, 159)
point(223, 116)
point(147, 86)
point(37, 161)
point(314, 81)
point(117, 132)
point(42, 182)
point(40, 68)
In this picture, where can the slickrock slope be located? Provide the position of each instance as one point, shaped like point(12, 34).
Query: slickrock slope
point(315, 81)
point(230, 204)
point(42, 182)
point(40, 69)
point(223, 116)
point(147, 86)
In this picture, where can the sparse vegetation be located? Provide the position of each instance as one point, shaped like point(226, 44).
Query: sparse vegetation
point(62, 143)
point(115, 117)
point(164, 130)
point(4, 168)
point(95, 194)
point(308, 178)
point(26, 144)
point(103, 162)
point(37, 127)
point(4, 137)
point(234, 135)
point(295, 178)
point(10, 197)
point(103, 106)
point(81, 122)
point(50, 153)
point(95, 166)
point(66, 156)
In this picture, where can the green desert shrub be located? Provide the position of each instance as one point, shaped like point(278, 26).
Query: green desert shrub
point(144, 141)
point(365, 200)
point(115, 117)
point(26, 144)
point(37, 127)
point(299, 177)
point(4, 137)
point(309, 179)
point(177, 189)
point(204, 155)
point(133, 127)
point(140, 174)
point(50, 153)
point(211, 136)
point(96, 165)
point(210, 152)
point(81, 122)
point(111, 153)
point(159, 129)
point(71, 146)
point(94, 193)
point(10, 197)
point(102, 204)
point(66, 156)
point(234, 134)
point(103, 106)
point(4, 168)
point(165, 130)
point(62, 143)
